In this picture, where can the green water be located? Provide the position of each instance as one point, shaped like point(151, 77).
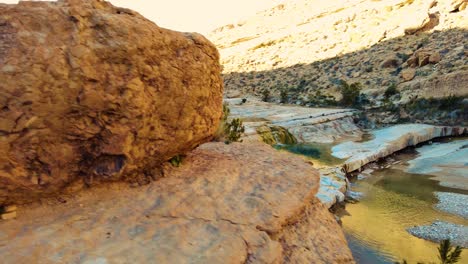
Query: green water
point(317, 152)
point(394, 201)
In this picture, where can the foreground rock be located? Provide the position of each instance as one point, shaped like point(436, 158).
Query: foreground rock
point(389, 140)
point(237, 203)
point(90, 91)
point(439, 230)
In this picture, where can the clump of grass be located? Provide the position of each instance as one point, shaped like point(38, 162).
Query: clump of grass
point(176, 160)
point(233, 130)
point(229, 131)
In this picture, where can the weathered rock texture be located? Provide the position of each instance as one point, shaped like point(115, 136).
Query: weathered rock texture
point(91, 90)
point(322, 125)
point(237, 203)
point(306, 46)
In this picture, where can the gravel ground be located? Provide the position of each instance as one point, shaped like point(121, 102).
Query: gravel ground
point(439, 230)
point(453, 203)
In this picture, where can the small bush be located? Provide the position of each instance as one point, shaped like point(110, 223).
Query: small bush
point(391, 90)
point(176, 160)
point(319, 99)
point(283, 96)
point(229, 131)
point(233, 130)
point(447, 253)
point(265, 95)
point(350, 94)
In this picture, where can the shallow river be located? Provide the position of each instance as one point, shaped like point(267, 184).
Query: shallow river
point(392, 201)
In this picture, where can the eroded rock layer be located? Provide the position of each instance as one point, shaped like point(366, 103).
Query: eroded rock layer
point(92, 91)
point(237, 203)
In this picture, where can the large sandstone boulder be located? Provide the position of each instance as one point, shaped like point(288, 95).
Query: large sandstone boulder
point(95, 92)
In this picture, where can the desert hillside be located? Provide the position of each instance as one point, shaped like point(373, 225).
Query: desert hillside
point(304, 49)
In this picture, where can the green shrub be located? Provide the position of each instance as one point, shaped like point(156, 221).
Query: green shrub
point(350, 94)
point(265, 95)
point(448, 254)
point(391, 90)
point(176, 160)
point(229, 131)
point(319, 99)
point(283, 96)
point(233, 130)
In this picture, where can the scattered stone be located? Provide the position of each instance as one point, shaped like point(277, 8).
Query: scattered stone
point(408, 74)
point(453, 203)
point(354, 195)
point(367, 171)
point(440, 230)
point(361, 177)
point(434, 58)
point(390, 63)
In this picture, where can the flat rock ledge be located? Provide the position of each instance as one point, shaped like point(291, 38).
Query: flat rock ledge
point(322, 125)
point(390, 140)
point(440, 230)
point(237, 203)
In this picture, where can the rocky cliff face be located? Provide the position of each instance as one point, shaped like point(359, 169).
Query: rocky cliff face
point(237, 203)
point(305, 47)
point(95, 92)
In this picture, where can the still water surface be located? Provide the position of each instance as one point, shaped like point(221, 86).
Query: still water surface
point(393, 200)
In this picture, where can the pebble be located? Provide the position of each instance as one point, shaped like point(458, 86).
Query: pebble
point(439, 230)
point(453, 203)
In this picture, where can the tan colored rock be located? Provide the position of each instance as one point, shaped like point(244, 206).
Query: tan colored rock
point(237, 203)
point(8, 209)
point(8, 216)
point(434, 58)
point(422, 56)
point(429, 22)
point(452, 84)
point(392, 62)
point(412, 61)
point(91, 91)
point(408, 74)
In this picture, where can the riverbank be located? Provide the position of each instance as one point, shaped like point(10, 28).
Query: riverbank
point(317, 128)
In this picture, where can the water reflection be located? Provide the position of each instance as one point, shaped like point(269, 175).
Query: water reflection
point(319, 153)
point(394, 201)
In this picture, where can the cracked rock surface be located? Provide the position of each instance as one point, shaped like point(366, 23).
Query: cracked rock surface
point(237, 203)
point(93, 92)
